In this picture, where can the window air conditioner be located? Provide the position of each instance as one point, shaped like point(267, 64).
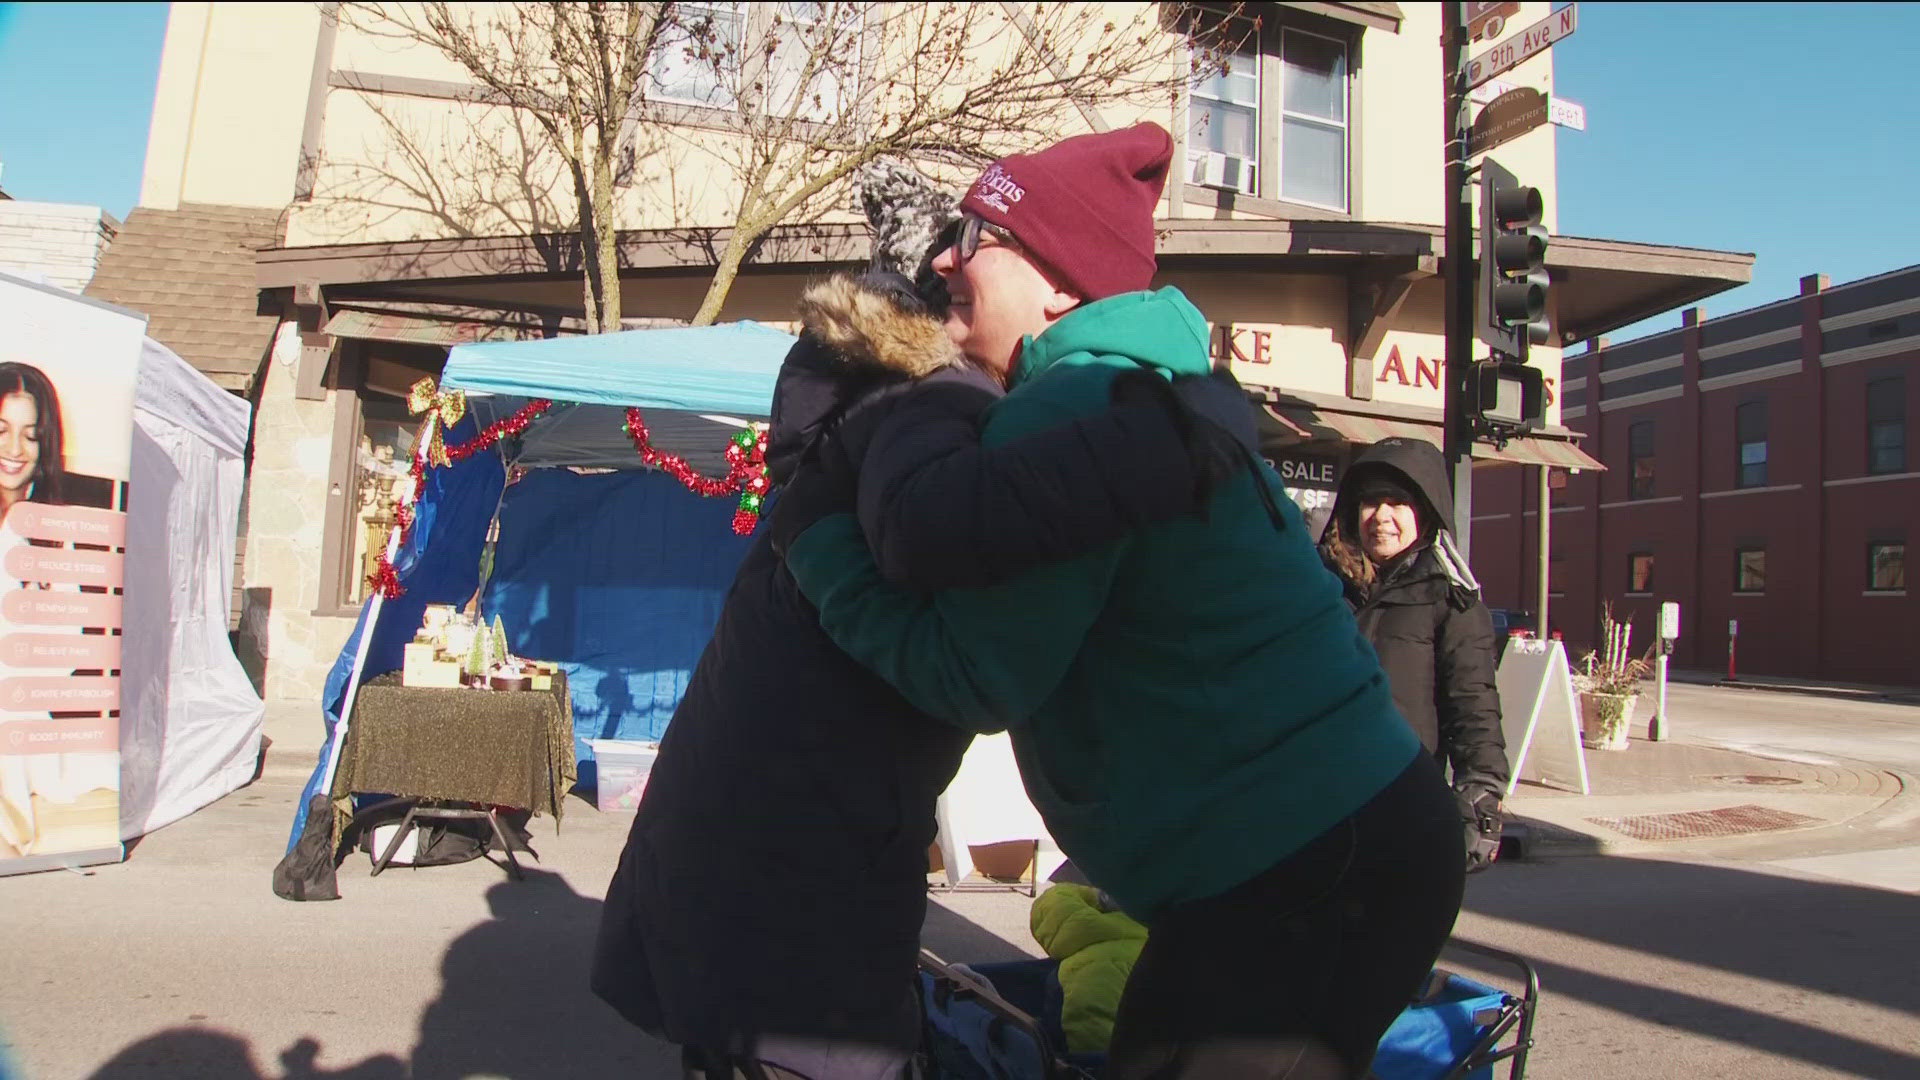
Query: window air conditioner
point(1215, 169)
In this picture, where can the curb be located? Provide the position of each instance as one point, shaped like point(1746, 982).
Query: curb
point(1876, 697)
point(1538, 839)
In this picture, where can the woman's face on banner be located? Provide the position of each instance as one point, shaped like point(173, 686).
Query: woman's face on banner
point(19, 444)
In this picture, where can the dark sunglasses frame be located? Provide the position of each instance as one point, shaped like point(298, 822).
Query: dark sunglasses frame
point(966, 241)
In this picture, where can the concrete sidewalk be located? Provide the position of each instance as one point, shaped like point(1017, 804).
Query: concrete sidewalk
point(1685, 798)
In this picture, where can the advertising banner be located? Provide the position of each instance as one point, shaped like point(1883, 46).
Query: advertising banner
point(67, 370)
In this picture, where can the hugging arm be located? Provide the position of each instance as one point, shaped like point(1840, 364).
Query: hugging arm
point(940, 510)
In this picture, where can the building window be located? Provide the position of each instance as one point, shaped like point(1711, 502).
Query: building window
point(1886, 567)
point(1239, 116)
point(1750, 570)
point(1640, 572)
point(1750, 436)
point(1887, 425)
point(1223, 126)
point(1313, 119)
point(699, 55)
point(1640, 460)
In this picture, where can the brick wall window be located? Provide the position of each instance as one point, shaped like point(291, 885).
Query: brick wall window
point(1750, 439)
point(1750, 570)
point(1640, 572)
point(1887, 425)
point(1886, 567)
point(1640, 460)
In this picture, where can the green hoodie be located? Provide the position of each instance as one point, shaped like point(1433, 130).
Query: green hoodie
point(1188, 705)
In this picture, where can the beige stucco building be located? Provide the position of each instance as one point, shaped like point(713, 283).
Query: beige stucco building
point(360, 178)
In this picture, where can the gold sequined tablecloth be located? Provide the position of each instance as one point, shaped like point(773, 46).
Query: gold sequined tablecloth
point(492, 747)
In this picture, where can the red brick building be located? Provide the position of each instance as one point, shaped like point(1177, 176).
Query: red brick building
point(1759, 468)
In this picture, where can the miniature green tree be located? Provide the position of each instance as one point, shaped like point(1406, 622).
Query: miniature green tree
point(476, 662)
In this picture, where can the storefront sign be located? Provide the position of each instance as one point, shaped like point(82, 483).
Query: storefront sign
point(1235, 343)
point(1426, 373)
point(67, 367)
point(1312, 480)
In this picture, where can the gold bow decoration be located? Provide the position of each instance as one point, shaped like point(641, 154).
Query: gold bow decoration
point(443, 409)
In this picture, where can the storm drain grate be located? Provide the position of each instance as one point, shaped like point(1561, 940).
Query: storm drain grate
point(1757, 781)
point(1693, 824)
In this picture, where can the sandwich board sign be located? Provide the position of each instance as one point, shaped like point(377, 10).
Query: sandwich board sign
point(1539, 716)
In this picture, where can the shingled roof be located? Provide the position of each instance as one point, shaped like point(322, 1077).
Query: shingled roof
point(190, 271)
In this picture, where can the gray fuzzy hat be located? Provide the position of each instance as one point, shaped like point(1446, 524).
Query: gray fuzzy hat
point(908, 215)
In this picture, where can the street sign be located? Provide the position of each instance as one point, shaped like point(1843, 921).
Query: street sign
point(1560, 111)
point(1733, 627)
point(1566, 114)
point(1508, 116)
point(1530, 43)
point(1670, 620)
point(1486, 22)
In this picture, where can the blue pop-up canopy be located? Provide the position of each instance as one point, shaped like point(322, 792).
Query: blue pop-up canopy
point(614, 570)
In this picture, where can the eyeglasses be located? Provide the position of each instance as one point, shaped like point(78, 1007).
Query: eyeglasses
point(966, 241)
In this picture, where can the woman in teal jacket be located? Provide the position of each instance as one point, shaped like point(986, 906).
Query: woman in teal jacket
point(1194, 712)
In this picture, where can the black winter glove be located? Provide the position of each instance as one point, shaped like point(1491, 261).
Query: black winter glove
point(1480, 814)
point(1211, 413)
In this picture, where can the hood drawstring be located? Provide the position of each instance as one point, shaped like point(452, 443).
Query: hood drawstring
point(1451, 561)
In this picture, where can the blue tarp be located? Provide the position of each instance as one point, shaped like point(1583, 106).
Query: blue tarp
point(618, 576)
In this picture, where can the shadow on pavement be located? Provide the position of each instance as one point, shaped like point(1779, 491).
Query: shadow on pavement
point(514, 1001)
point(1831, 938)
point(954, 938)
point(215, 1055)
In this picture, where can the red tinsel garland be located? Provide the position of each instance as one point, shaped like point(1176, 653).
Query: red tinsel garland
point(746, 469)
point(384, 579)
point(746, 474)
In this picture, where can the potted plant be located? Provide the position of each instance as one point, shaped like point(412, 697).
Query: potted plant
point(1609, 685)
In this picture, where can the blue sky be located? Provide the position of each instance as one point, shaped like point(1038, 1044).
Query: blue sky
point(1788, 130)
point(76, 93)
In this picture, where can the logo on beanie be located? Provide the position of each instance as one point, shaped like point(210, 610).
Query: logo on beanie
point(998, 189)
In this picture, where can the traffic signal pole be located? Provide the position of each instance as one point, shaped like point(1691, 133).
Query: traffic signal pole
point(1460, 280)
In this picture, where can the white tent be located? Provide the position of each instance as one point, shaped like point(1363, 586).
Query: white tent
point(189, 718)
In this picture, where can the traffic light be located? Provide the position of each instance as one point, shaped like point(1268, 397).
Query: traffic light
point(1513, 264)
point(1506, 397)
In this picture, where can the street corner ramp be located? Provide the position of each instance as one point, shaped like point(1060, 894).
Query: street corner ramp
point(1698, 824)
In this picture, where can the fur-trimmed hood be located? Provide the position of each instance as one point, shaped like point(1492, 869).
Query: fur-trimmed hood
point(857, 333)
point(876, 321)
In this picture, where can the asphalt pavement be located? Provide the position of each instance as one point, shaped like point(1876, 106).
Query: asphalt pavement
point(1729, 955)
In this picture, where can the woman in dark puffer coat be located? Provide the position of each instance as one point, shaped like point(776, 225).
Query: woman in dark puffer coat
point(768, 905)
point(1418, 603)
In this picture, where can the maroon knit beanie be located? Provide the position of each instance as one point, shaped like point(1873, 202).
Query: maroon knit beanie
point(1084, 206)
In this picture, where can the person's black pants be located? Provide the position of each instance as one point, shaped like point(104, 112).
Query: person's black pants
point(1299, 971)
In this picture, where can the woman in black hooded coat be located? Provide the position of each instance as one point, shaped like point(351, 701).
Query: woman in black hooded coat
point(1418, 603)
point(768, 904)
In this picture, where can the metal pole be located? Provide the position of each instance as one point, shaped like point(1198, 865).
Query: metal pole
point(1540, 622)
point(1657, 729)
point(1459, 274)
